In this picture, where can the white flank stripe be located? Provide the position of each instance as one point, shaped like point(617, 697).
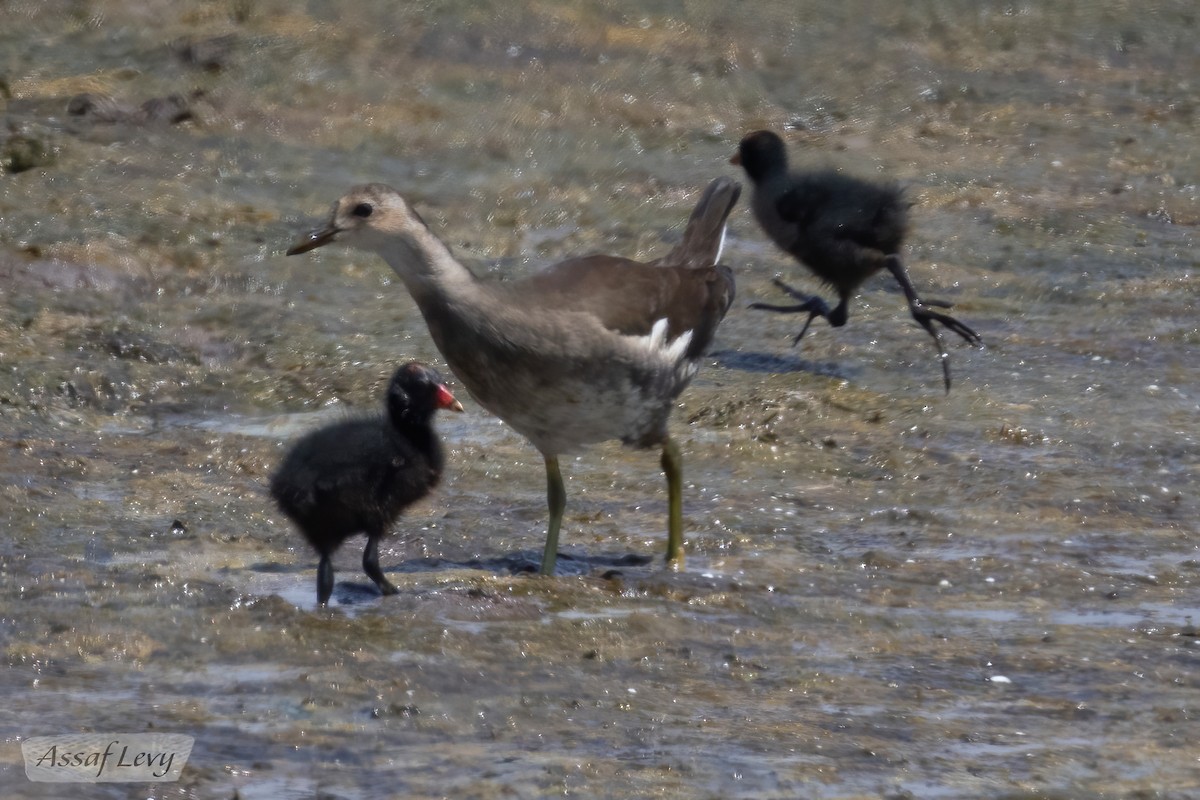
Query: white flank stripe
point(658, 335)
point(656, 342)
point(679, 346)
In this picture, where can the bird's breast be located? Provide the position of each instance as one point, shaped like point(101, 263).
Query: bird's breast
point(562, 380)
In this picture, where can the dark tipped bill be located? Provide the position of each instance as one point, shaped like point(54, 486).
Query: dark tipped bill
point(313, 240)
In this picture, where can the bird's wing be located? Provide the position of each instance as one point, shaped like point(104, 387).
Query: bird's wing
point(801, 205)
point(628, 297)
point(832, 207)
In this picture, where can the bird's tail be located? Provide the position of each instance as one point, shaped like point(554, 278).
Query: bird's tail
point(705, 234)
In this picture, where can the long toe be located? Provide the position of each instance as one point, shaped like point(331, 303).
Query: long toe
point(811, 316)
point(796, 293)
point(962, 330)
point(924, 316)
point(945, 359)
point(796, 309)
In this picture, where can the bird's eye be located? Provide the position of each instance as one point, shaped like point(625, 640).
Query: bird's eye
point(362, 210)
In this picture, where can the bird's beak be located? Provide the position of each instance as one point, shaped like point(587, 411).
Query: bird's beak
point(736, 159)
point(321, 236)
point(446, 400)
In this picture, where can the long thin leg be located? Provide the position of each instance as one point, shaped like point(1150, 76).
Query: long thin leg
point(925, 318)
point(812, 314)
point(324, 580)
point(371, 565)
point(803, 297)
point(556, 499)
point(672, 465)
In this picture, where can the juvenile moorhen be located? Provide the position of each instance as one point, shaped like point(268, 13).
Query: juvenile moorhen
point(594, 348)
point(357, 476)
point(842, 228)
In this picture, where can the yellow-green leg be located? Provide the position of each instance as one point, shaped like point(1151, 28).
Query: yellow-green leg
point(556, 499)
point(672, 464)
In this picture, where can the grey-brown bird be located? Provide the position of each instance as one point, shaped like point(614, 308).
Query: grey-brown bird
point(593, 349)
point(842, 228)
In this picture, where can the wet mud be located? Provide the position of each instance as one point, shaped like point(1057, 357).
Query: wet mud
point(889, 591)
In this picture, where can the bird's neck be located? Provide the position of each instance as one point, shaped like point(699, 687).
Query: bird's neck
point(417, 430)
point(451, 298)
point(428, 269)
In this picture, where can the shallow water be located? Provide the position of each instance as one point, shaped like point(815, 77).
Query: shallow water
point(889, 592)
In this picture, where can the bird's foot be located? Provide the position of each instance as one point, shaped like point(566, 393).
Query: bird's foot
point(813, 305)
point(371, 566)
point(925, 318)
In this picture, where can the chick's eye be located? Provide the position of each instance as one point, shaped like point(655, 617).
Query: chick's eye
point(362, 210)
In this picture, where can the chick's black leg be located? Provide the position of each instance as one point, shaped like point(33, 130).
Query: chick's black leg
point(371, 564)
point(815, 306)
point(925, 317)
point(324, 580)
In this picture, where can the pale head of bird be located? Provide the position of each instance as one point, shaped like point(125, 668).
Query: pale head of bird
point(364, 218)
